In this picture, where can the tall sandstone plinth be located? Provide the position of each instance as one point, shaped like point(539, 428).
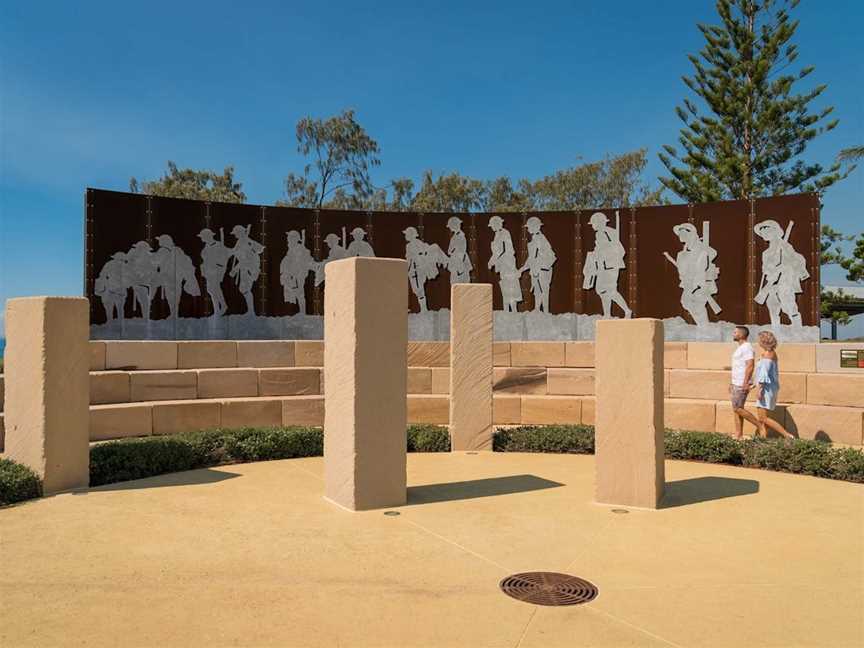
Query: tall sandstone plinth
point(471, 366)
point(47, 366)
point(365, 382)
point(629, 412)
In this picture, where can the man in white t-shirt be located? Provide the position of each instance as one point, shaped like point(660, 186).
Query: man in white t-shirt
point(742, 379)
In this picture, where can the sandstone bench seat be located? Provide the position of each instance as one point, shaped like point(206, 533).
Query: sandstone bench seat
point(114, 386)
point(119, 420)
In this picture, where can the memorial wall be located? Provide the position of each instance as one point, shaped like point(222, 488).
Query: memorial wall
point(167, 268)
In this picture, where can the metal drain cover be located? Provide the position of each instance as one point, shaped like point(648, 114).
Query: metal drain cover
point(549, 588)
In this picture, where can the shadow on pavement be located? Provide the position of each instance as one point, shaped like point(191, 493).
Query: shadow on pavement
point(187, 478)
point(477, 488)
point(705, 489)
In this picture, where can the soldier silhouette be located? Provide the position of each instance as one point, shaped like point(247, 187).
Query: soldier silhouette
point(603, 264)
point(458, 262)
point(245, 264)
point(175, 273)
point(697, 273)
point(541, 258)
point(424, 260)
point(295, 267)
point(141, 276)
point(334, 253)
point(111, 286)
point(358, 247)
point(503, 261)
point(214, 263)
point(783, 270)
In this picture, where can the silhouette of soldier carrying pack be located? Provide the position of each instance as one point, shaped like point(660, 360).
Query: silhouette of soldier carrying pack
point(174, 273)
point(540, 260)
point(141, 276)
point(503, 261)
point(111, 287)
point(245, 263)
point(295, 267)
point(424, 260)
point(214, 263)
point(604, 262)
point(783, 270)
point(458, 262)
point(697, 273)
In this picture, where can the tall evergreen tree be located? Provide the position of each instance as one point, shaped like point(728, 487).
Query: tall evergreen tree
point(747, 138)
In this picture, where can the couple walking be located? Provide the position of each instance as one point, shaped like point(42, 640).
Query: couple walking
point(764, 376)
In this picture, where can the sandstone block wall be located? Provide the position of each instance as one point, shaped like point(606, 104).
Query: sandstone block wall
point(695, 385)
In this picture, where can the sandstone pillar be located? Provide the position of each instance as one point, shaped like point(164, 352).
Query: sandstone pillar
point(47, 368)
point(471, 366)
point(365, 382)
point(629, 412)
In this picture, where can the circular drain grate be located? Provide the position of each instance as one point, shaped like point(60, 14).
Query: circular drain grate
point(549, 588)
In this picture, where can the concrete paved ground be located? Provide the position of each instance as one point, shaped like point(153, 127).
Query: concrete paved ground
point(251, 555)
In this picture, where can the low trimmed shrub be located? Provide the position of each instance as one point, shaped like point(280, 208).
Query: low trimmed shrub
point(799, 456)
point(428, 438)
point(127, 459)
point(17, 483)
point(264, 444)
point(573, 439)
point(702, 446)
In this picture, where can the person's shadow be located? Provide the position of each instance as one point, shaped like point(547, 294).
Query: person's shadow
point(705, 489)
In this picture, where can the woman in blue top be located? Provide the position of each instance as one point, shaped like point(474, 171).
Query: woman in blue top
point(767, 379)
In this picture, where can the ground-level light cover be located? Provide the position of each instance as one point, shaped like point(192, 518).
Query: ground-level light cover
point(251, 554)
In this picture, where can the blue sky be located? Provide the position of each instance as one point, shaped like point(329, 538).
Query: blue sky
point(92, 93)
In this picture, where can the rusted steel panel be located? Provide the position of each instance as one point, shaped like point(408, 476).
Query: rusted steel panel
point(280, 222)
point(657, 283)
point(115, 221)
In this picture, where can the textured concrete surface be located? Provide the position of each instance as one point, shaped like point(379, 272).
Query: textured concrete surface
point(629, 412)
point(252, 555)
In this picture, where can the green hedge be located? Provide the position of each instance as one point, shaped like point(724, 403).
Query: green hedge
point(799, 456)
point(17, 483)
point(428, 438)
point(127, 459)
point(573, 439)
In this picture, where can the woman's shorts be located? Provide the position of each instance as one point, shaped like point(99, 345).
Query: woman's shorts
point(739, 397)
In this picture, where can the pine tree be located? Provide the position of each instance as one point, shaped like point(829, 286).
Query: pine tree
point(747, 138)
